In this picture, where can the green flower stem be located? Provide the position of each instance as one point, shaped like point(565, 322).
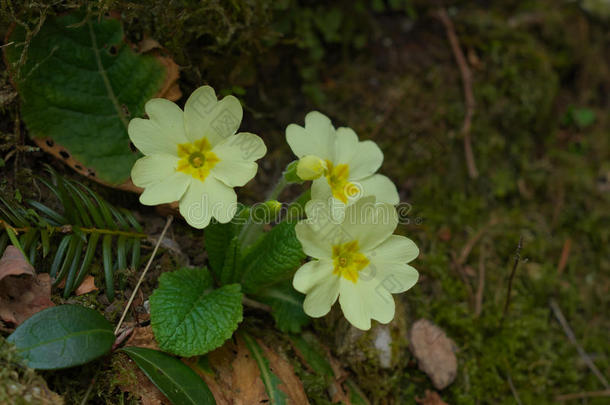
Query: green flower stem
point(251, 230)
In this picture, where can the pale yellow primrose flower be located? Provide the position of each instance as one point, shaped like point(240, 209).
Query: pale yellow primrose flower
point(350, 164)
point(357, 260)
point(194, 156)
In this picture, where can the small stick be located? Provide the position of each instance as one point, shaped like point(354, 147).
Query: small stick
point(152, 256)
point(572, 337)
point(255, 304)
point(468, 93)
point(513, 390)
point(580, 395)
point(511, 277)
point(480, 287)
point(565, 254)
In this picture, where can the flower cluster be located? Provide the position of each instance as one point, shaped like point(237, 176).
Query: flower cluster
point(349, 227)
point(196, 157)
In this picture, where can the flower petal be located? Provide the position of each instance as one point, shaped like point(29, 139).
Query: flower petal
point(170, 189)
point(194, 206)
point(205, 116)
point(162, 132)
point(234, 173)
point(391, 276)
point(312, 235)
point(151, 170)
point(354, 307)
point(242, 146)
point(363, 301)
point(366, 161)
point(370, 222)
point(381, 187)
point(222, 199)
point(317, 138)
point(396, 248)
point(312, 273)
point(346, 142)
point(321, 298)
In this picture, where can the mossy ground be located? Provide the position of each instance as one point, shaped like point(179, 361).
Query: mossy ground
point(540, 68)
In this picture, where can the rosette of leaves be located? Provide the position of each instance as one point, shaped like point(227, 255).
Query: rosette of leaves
point(85, 222)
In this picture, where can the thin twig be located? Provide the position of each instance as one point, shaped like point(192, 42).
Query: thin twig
point(510, 279)
point(513, 390)
point(572, 337)
point(581, 395)
point(468, 93)
point(150, 260)
point(470, 244)
point(478, 307)
point(565, 254)
point(255, 304)
point(88, 392)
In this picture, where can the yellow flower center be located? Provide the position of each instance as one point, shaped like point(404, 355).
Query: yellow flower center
point(348, 260)
point(197, 159)
point(337, 180)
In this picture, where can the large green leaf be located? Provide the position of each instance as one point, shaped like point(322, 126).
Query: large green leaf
point(286, 306)
point(189, 317)
point(273, 258)
point(175, 380)
point(63, 336)
point(270, 380)
point(80, 85)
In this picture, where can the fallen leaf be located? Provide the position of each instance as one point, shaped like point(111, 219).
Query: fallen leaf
point(430, 398)
point(87, 286)
point(143, 337)
point(13, 263)
point(434, 351)
point(234, 376)
point(22, 292)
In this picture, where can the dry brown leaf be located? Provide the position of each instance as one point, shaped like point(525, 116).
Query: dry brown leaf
point(87, 286)
point(13, 263)
point(22, 292)
point(434, 351)
point(431, 398)
point(236, 377)
point(143, 337)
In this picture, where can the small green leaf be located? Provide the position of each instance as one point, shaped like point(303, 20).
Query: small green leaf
point(218, 238)
point(108, 273)
point(273, 258)
point(63, 336)
point(232, 263)
point(190, 318)
point(80, 85)
point(314, 356)
point(270, 380)
point(179, 383)
point(286, 306)
point(356, 396)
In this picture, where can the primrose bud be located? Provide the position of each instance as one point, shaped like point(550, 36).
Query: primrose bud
point(274, 207)
point(311, 167)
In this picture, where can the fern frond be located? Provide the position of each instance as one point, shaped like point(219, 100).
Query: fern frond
point(85, 220)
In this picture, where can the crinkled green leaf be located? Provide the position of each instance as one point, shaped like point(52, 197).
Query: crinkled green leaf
point(80, 85)
point(175, 380)
point(63, 336)
point(191, 318)
point(270, 380)
point(286, 306)
point(273, 258)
